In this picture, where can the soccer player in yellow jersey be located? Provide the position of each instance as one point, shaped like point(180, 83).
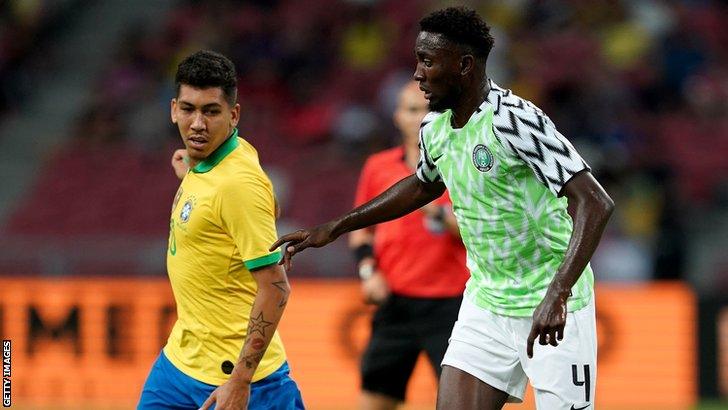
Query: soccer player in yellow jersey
point(224, 349)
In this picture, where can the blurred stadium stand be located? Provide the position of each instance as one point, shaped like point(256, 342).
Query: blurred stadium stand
point(640, 87)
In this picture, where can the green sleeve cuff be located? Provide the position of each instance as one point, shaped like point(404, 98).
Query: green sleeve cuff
point(263, 261)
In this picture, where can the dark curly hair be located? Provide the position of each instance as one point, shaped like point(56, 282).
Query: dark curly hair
point(461, 26)
point(206, 69)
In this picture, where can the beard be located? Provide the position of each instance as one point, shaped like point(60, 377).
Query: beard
point(436, 105)
point(447, 101)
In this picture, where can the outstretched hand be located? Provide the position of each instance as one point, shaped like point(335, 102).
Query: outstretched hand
point(549, 321)
point(315, 237)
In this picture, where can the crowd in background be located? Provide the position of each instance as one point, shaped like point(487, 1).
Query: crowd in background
point(22, 25)
point(639, 87)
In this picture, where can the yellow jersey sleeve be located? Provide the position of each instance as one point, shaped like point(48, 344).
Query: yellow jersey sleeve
point(247, 211)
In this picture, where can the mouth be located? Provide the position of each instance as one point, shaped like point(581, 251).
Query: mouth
point(197, 142)
point(428, 93)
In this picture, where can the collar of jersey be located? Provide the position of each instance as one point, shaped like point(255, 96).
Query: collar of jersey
point(482, 108)
point(493, 96)
point(219, 154)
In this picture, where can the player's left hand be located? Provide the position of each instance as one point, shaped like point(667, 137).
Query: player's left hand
point(179, 164)
point(549, 321)
point(233, 395)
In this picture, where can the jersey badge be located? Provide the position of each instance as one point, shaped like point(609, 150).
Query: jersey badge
point(482, 158)
point(184, 215)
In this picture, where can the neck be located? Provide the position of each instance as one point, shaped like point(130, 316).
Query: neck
point(469, 102)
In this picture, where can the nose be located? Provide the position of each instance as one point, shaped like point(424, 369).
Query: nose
point(419, 74)
point(198, 123)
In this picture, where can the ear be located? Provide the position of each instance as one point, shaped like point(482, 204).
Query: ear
point(173, 110)
point(235, 115)
point(467, 64)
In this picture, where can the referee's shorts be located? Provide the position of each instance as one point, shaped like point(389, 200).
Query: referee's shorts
point(403, 327)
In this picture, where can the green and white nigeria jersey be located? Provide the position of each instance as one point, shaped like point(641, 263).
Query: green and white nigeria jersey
point(504, 171)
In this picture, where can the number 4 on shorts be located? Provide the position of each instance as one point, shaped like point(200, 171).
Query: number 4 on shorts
point(586, 382)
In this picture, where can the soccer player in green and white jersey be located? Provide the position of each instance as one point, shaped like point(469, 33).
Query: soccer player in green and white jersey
point(512, 178)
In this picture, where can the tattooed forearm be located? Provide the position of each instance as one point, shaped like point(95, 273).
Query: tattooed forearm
point(258, 324)
point(265, 314)
point(252, 360)
point(283, 287)
point(255, 342)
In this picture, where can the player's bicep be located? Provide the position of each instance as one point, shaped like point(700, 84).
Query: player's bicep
point(584, 188)
point(269, 274)
point(433, 190)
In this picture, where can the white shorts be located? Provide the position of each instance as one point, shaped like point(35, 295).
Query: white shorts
point(492, 348)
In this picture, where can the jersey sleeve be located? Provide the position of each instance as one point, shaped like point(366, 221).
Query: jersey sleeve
point(532, 136)
point(426, 169)
point(247, 211)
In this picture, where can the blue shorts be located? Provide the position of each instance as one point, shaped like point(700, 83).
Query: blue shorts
point(168, 388)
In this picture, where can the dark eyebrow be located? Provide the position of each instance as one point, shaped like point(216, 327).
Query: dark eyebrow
point(206, 106)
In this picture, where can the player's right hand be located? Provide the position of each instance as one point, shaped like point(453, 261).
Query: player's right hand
point(178, 163)
point(232, 395)
point(315, 237)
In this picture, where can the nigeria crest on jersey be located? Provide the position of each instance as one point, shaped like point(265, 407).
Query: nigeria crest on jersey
point(482, 158)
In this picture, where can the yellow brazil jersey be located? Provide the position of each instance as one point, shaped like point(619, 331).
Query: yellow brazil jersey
point(223, 222)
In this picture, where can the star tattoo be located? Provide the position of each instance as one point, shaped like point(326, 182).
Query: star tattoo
point(258, 324)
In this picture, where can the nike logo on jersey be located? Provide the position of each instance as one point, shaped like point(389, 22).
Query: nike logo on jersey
point(579, 408)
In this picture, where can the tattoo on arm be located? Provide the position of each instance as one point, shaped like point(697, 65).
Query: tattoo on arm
point(253, 359)
point(261, 327)
point(282, 286)
point(258, 324)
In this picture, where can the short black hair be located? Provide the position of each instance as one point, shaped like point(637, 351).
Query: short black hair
point(206, 69)
point(462, 26)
